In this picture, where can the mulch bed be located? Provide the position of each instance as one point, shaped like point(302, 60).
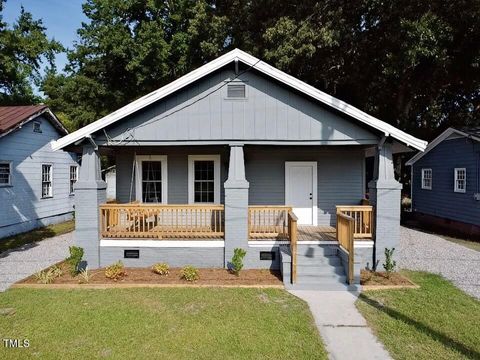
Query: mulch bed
point(145, 276)
point(371, 280)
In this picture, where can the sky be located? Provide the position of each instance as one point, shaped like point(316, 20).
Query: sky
point(62, 18)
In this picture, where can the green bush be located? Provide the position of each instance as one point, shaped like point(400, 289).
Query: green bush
point(161, 269)
point(389, 264)
point(76, 255)
point(115, 271)
point(47, 276)
point(190, 273)
point(237, 260)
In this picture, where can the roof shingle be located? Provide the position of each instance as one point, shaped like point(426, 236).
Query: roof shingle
point(12, 116)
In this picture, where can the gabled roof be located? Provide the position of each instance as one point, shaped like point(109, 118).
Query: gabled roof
point(249, 60)
point(14, 117)
point(468, 133)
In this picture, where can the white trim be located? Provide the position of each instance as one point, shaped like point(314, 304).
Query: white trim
point(359, 244)
point(267, 243)
point(455, 188)
point(314, 165)
point(138, 175)
point(163, 243)
point(249, 60)
point(10, 173)
point(70, 178)
point(216, 175)
point(446, 134)
point(423, 178)
point(50, 196)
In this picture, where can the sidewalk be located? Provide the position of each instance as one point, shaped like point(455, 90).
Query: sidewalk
point(343, 329)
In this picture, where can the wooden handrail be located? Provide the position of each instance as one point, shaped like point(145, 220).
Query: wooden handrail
point(161, 221)
point(345, 235)
point(362, 216)
point(268, 221)
point(292, 235)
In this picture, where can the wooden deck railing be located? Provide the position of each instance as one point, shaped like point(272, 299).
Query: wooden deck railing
point(362, 217)
point(161, 221)
point(268, 222)
point(345, 228)
point(292, 235)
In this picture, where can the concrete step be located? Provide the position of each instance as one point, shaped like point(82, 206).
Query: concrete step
point(317, 250)
point(319, 260)
point(319, 270)
point(322, 279)
point(324, 287)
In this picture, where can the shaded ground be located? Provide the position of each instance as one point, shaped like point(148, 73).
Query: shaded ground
point(147, 276)
point(436, 321)
point(428, 252)
point(19, 263)
point(173, 323)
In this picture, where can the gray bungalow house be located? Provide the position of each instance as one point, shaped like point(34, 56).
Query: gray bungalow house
point(36, 183)
point(238, 154)
point(446, 182)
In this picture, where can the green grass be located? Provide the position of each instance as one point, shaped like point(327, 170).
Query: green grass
point(36, 235)
point(437, 321)
point(180, 323)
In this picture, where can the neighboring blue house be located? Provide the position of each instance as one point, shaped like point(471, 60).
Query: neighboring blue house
point(446, 182)
point(236, 154)
point(36, 183)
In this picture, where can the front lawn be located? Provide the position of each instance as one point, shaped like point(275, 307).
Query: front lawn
point(36, 235)
point(437, 321)
point(178, 323)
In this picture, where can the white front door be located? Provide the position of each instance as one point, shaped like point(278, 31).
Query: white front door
point(301, 190)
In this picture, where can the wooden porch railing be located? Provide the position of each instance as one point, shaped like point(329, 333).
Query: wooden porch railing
point(292, 235)
point(345, 234)
point(362, 219)
point(161, 221)
point(268, 222)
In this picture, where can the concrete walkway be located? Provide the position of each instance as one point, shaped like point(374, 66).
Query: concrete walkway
point(343, 329)
point(17, 264)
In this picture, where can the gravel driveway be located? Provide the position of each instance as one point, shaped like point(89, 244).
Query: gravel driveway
point(428, 252)
point(26, 260)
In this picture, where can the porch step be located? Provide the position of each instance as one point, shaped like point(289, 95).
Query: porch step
point(324, 287)
point(307, 270)
point(313, 251)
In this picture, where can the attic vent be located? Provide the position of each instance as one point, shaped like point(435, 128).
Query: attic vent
point(37, 127)
point(236, 91)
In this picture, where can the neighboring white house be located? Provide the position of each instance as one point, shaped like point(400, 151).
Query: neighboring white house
point(36, 183)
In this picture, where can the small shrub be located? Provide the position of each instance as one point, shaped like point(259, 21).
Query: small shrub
point(161, 269)
point(47, 276)
point(76, 255)
point(190, 273)
point(84, 276)
point(389, 264)
point(115, 271)
point(237, 260)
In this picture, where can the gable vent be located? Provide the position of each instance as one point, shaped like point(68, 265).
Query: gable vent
point(236, 91)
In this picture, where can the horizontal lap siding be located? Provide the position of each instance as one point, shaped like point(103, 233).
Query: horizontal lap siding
point(442, 201)
point(28, 151)
point(340, 176)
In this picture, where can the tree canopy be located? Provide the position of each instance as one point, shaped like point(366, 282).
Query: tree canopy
point(24, 49)
point(414, 64)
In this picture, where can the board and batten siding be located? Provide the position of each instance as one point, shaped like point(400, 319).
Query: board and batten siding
point(442, 200)
point(22, 207)
point(270, 112)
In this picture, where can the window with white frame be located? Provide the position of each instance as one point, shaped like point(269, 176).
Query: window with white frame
point(204, 179)
point(460, 180)
point(151, 178)
point(73, 178)
point(427, 179)
point(5, 173)
point(47, 181)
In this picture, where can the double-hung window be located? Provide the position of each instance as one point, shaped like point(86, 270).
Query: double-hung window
point(204, 179)
point(427, 179)
point(5, 173)
point(151, 178)
point(73, 177)
point(47, 181)
point(460, 180)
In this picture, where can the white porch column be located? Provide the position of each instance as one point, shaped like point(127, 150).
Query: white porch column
point(385, 194)
point(90, 192)
point(236, 204)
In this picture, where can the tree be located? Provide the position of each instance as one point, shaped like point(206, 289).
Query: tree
point(23, 49)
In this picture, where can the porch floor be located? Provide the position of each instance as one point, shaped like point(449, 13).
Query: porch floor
point(304, 233)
